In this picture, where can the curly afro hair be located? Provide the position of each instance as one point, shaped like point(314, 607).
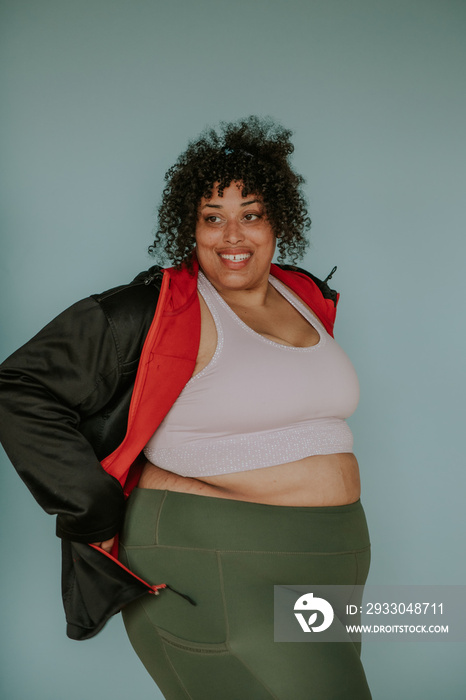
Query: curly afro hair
point(254, 151)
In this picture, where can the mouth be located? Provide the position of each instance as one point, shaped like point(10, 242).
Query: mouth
point(235, 257)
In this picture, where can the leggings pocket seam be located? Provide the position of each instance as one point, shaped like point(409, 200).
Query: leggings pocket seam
point(167, 658)
point(175, 672)
point(358, 563)
point(224, 603)
point(157, 520)
point(255, 676)
point(194, 647)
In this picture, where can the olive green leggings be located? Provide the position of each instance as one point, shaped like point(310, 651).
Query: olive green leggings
point(227, 555)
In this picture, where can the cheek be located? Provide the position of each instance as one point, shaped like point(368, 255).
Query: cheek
point(269, 241)
point(205, 240)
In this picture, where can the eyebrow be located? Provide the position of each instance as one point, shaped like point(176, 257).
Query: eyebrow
point(219, 206)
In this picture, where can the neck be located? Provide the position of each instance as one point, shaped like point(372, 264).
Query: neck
point(247, 298)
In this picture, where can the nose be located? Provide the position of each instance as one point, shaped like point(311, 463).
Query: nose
point(233, 232)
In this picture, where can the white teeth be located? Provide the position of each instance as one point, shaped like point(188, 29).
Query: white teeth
point(236, 258)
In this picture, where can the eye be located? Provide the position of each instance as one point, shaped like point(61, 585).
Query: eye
point(252, 217)
point(212, 219)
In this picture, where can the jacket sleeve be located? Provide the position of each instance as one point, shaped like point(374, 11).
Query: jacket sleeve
point(67, 372)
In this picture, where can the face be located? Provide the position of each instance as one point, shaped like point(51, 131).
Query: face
point(235, 242)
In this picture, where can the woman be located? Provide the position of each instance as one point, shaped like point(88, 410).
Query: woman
point(240, 400)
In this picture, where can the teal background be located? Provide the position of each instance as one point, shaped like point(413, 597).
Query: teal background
point(98, 100)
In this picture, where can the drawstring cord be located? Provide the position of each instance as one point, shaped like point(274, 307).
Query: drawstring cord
point(155, 591)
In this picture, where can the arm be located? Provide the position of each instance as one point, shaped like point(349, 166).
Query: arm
point(67, 372)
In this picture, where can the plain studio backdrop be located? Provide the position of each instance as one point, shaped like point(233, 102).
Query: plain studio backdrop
point(98, 99)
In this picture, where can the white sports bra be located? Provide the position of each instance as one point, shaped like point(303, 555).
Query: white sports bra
point(257, 403)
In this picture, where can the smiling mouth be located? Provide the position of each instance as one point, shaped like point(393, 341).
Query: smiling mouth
point(238, 257)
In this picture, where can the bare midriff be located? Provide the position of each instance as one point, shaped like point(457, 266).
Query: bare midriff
point(320, 480)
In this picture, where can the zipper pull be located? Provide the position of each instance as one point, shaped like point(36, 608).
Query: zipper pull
point(329, 277)
point(151, 276)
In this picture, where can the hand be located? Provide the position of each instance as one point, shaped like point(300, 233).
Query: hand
point(106, 545)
